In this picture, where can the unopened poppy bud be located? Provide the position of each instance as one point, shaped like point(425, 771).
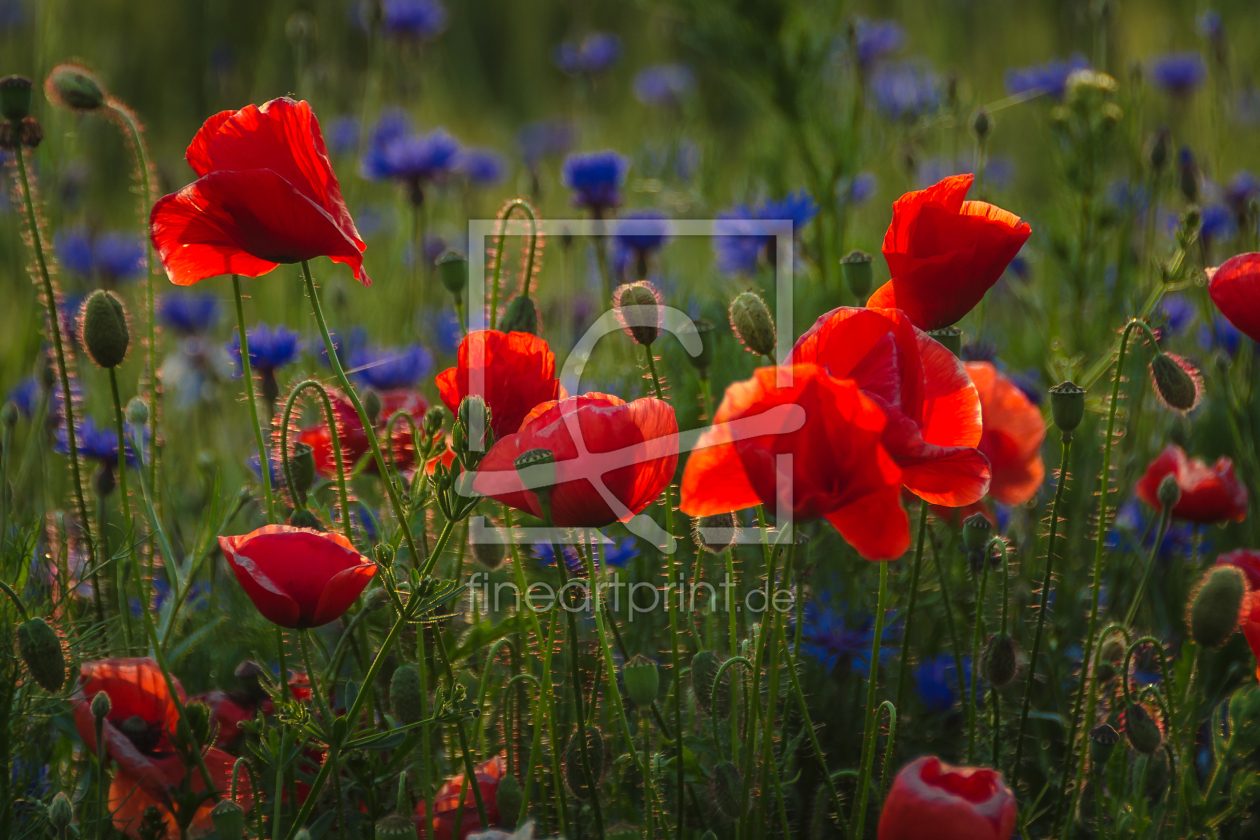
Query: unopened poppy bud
point(976, 533)
point(859, 274)
point(998, 664)
point(1113, 649)
point(521, 316)
point(306, 518)
point(1169, 492)
point(704, 358)
point(61, 812)
point(228, 819)
point(473, 418)
point(1176, 381)
point(103, 328)
point(1143, 730)
point(73, 86)
point(100, 705)
point(453, 272)
point(197, 716)
point(981, 122)
point(715, 533)
point(1216, 606)
point(137, 411)
point(405, 697)
point(638, 307)
point(375, 598)
point(490, 553)
point(1067, 406)
point(1157, 150)
point(372, 405)
point(9, 414)
point(642, 680)
point(537, 468)
point(751, 321)
point(302, 468)
point(704, 669)
point(1102, 741)
point(726, 790)
point(579, 784)
point(15, 98)
point(433, 420)
point(40, 649)
point(1188, 175)
point(508, 800)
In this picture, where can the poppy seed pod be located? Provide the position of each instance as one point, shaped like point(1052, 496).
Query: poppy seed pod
point(1067, 406)
point(1143, 730)
point(61, 812)
point(1216, 606)
point(15, 98)
point(103, 328)
point(998, 664)
point(521, 316)
point(453, 272)
point(579, 784)
point(508, 800)
point(1176, 381)
point(704, 358)
point(396, 827)
point(537, 468)
point(976, 533)
point(751, 321)
point(41, 651)
point(1102, 741)
point(137, 411)
point(638, 308)
point(1169, 492)
point(726, 789)
point(858, 273)
point(950, 338)
point(405, 695)
point(73, 86)
point(715, 533)
point(642, 680)
point(229, 820)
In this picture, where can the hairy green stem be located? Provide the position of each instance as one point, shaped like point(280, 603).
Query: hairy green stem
point(903, 663)
point(872, 693)
point(247, 375)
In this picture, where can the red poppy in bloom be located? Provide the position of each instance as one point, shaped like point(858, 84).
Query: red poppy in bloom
point(944, 252)
point(298, 577)
point(1013, 432)
point(446, 804)
point(354, 440)
point(839, 468)
point(1235, 289)
point(613, 458)
point(1208, 494)
point(266, 194)
point(932, 800)
point(930, 405)
point(129, 798)
point(518, 372)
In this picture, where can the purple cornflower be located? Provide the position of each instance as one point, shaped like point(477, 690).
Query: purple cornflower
point(664, 84)
point(1179, 73)
point(269, 349)
point(388, 368)
point(905, 90)
point(113, 257)
point(876, 39)
point(396, 154)
point(343, 134)
point(421, 20)
point(188, 313)
point(545, 138)
point(739, 242)
point(829, 634)
point(482, 166)
point(595, 54)
point(1049, 78)
point(595, 179)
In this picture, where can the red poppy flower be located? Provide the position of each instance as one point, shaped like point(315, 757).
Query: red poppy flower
point(1208, 494)
point(932, 800)
point(1235, 289)
point(1246, 560)
point(298, 577)
point(620, 459)
point(518, 371)
point(1013, 433)
point(930, 404)
point(354, 441)
point(266, 194)
point(446, 804)
point(944, 252)
point(839, 468)
point(129, 798)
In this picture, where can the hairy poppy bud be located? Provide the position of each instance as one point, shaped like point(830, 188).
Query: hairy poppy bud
point(704, 669)
point(726, 790)
point(9, 414)
point(521, 316)
point(1102, 741)
point(73, 86)
point(998, 664)
point(579, 784)
point(976, 533)
point(103, 328)
point(858, 274)
point(638, 307)
point(228, 819)
point(302, 468)
point(453, 272)
point(537, 469)
point(100, 705)
point(372, 405)
point(433, 420)
point(306, 518)
point(15, 98)
point(508, 800)
point(981, 122)
point(642, 680)
point(1169, 492)
point(471, 436)
point(41, 651)
point(61, 812)
point(137, 411)
point(1067, 406)
point(704, 358)
point(715, 533)
point(404, 694)
point(1143, 730)
point(1216, 606)
point(751, 321)
point(1176, 381)
point(396, 827)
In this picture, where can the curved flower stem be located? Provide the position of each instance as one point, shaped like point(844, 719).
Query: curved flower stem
point(530, 260)
point(1046, 580)
point(888, 750)
point(124, 502)
point(67, 396)
point(1165, 517)
point(330, 419)
point(17, 602)
point(977, 637)
point(872, 693)
point(387, 477)
point(247, 374)
point(903, 664)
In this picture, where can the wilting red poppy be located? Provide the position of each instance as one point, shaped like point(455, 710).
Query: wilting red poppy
point(298, 577)
point(446, 804)
point(518, 372)
point(1208, 494)
point(930, 405)
point(266, 194)
point(354, 441)
point(1235, 289)
point(839, 468)
point(1013, 432)
point(932, 800)
point(621, 458)
point(944, 252)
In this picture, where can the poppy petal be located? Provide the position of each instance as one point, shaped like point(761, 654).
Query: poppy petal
point(341, 592)
point(876, 525)
point(1235, 289)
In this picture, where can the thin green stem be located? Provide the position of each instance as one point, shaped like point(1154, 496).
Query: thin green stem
point(124, 501)
point(247, 377)
point(1165, 517)
point(497, 269)
point(977, 637)
point(813, 737)
point(903, 664)
point(872, 694)
point(769, 760)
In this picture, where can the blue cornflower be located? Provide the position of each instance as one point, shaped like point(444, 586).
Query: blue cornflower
point(936, 681)
point(1179, 73)
point(1242, 188)
point(447, 333)
point(799, 208)
point(269, 349)
point(482, 166)
point(395, 153)
point(433, 247)
point(11, 14)
point(739, 242)
point(596, 53)
point(664, 84)
point(1210, 25)
point(876, 39)
point(1218, 223)
point(858, 189)
point(94, 443)
point(1134, 529)
point(641, 232)
point(74, 250)
point(546, 556)
point(618, 553)
point(1220, 335)
point(1128, 197)
point(686, 160)
point(365, 518)
point(25, 395)
point(419, 19)
point(545, 138)
point(905, 90)
point(275, 468)
point(189, 313)
point(1049, 78)
point(388, 368)
point(343, 135)
point(828, 636)
point(1179, 312)
point(595, 179)
point(114, 257)
point(345, 345)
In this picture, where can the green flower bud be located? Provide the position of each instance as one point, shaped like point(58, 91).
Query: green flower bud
point(15, 98)
point(73, 86)
point(1102, 741)
point(100, 705)
point(705, 331)
point(396, 827)
point(61, 812)
point(229, 820)
point(433, 420)
point(726, 791)
point(508, 800)
point(521, 316)
point(40, 648)
point(472, 419)
point(1067, 406)
point(859, 275)
point(1157, 147)
point(981, 123)
point(137, 411)
point(1216, 606)
point(1177, 382)
point(302, 469)
point(1143, 729)
point(579, 784)
point(998, 663)
point(751, 321)
point(537, 469)
point(642, 680)
point(453, 272)
point(638, 308)
point(372, 405)
point(1169, 492)
point(103, 328)
point(9, 414)
point(404, 694)
point(197, 716)
point(704, 668)
point(715, 533)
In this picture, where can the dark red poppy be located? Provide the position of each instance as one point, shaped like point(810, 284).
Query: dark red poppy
point(621, 458)
point(839, 468)
point(930, 405)
point(129, 798)
point(518, 371)
point(266, 194)
point(354, 441)
point(932, 800)
point(446, 804)
point(944, 252)
point(1208, 494)
point(1235, 289)
point(1013, 433)
point(1246, 560)
point(298, 577)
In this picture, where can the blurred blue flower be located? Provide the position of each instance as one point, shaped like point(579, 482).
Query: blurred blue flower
point(12, 15)
point(619, 552)
point(905, 90)
point(686, 160)
point(876, 39)
point(345, 345)
point(641, 231)
point(545, 138)
point(829, 634)
point(857, 190)
point(1179, 312)
point(434, 246)
point(395, 153)
point(664, 84)
point(936, 681)
point(365, 518)
point(482, 166)
point(1134, 529)
point(1049, 78)
point(1128, 197)
point(188, 313)
point(113, 257)
point(446, 331)
point(546, 556)
point(343, 135)
point(739, 241)
point(94, 443)
point(999, 170)
point(1240, 191)
point(276, 468)
point(269, 349)
point(1179, 73)
point(595, 178)
point(1220, 335)
point(1029, 381)
point(387, 368)
point(596, 53)
point(419, 19)
point(1218, 223)
point(25, 395)
point(1210, 25)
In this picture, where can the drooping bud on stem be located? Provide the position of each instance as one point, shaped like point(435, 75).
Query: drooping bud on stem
point(1169, 492)
point(41, 651)
point(73, 86)
point(1177, 382)
point(1143, 729)
point(751, 321)
point(998, 663)
point(981, 123)
point(453, 272)
point(638, 307)
point(715, 533)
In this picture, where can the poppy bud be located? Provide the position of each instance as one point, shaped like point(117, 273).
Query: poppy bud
point(61, 812)
point(976, 533)
point(507, 799)
point(638, 308)
point(302, 468)
point(100, 705)
point(396, 827)
point(228, 819)
point(1155, 785)
point(1067, 406)
point(1157, 150)
point(453, 272)
point(73, 86)
point(372, 405)
point(41, 651)
point(726, 789)
point(574, 772)
point(981, 123)
point(1169, 492)
point(137, 411)
point(1143, 730)
point(103, 328)
point(858, 274)
point(197, 716)
point(1113, 649)
point(15, 98)
point(404, 694)
point(9, 414)
point(1188, 175)
point(642, 680)
point(306, 518)
point(537, 468)
point(472, 419)
point(433, 420)
point(998, 665)
point(704, 358)
point(1216, 606)
point(490, 553)
point(1102, 741)
point(521, 316)
point(751, 321)
point(715, 533)
point(704, 669)
point(1176, 381)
